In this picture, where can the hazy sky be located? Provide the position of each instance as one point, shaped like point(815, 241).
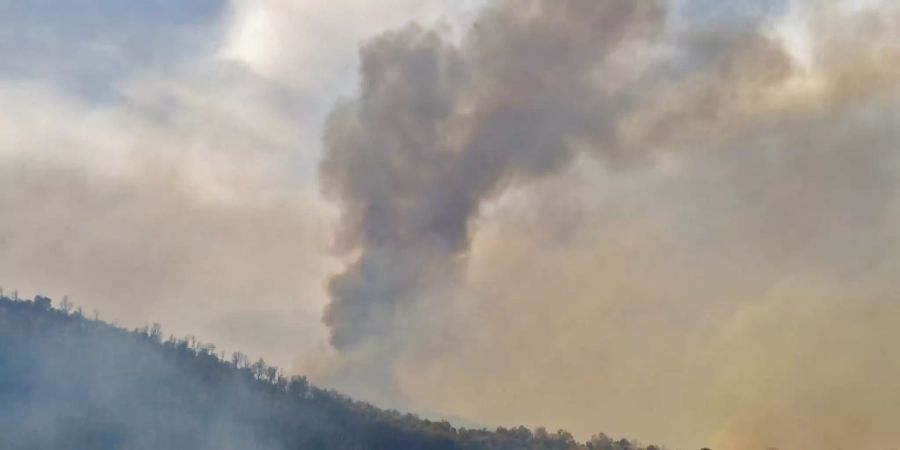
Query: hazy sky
point(673, 221)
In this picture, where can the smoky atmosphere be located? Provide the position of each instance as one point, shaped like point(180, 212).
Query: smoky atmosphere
point(450, 224)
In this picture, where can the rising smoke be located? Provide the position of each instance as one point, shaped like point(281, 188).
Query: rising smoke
point(438, 128)
point(709, 288)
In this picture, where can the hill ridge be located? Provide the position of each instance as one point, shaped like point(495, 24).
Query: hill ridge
point(72, 382)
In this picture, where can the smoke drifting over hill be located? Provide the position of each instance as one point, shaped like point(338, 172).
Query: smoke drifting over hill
point(672, 220)
point(439, 128)
point(763, 145)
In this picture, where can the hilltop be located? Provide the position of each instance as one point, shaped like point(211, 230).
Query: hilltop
point(72, 382)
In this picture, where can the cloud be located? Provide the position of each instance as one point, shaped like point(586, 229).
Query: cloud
point(86, 45)
point(148, 250)
point(313, 45)
point(179, 191)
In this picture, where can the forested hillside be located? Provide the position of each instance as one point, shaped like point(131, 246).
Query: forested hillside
point(72, 382)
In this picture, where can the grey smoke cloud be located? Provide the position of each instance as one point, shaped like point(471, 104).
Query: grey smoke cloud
point(701, 275)
point(734, 287)
point(438, 128)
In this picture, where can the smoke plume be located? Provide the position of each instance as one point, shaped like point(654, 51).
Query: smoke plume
point(438, 128)
point(716, 269)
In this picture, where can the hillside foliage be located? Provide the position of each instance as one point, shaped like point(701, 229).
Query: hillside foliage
point(72, 382)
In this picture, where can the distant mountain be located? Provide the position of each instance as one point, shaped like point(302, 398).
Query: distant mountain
point(69, 382)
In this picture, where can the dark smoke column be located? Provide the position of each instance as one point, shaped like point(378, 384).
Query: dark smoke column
point(437, 128)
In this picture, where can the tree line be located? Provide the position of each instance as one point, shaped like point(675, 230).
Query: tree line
point(68, 381)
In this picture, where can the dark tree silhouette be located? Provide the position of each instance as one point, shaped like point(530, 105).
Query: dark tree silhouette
point(67, 382)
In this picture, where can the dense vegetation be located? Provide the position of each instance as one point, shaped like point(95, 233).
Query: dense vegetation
point(72, 382)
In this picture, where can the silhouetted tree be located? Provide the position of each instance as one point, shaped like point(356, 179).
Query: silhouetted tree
point(71, 383)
